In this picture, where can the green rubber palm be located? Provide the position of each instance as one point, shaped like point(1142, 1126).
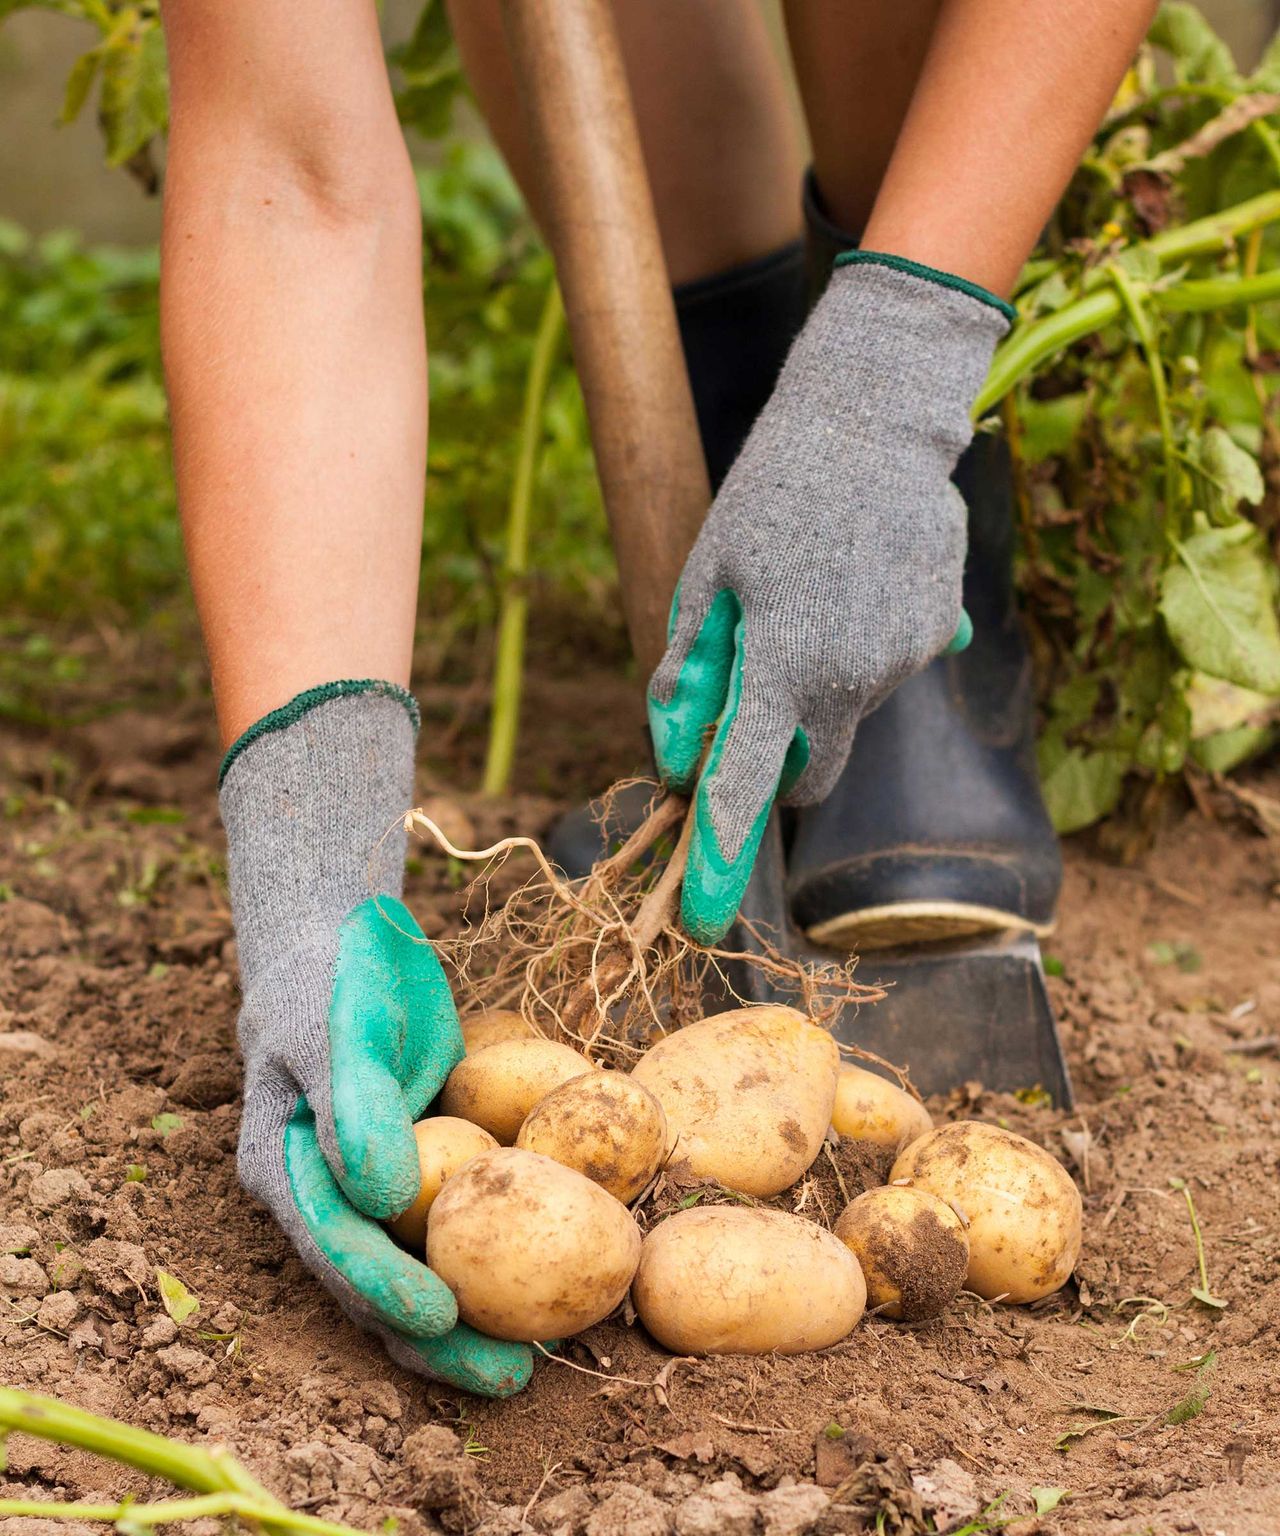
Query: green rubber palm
point(327, 1141)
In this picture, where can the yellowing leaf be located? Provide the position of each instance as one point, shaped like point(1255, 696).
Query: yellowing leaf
point(1218, 601)
point(178, 1301)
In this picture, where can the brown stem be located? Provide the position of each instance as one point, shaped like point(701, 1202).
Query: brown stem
point(657, 912)
point(660, 820)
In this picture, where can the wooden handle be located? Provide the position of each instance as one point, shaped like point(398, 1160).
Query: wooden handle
point(597, 214)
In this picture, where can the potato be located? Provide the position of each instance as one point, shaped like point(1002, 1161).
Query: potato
point(493, 1025)
point(530, 1249)
point(912, 1248)
point(444, 1144)
point(747, 1095)
point(605, 1125)
point(731, 1279)
point(870, 1108)
point(498, 1086)
point(1022, 1208)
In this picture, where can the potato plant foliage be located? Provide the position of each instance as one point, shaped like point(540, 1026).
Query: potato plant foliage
point(1144, 427)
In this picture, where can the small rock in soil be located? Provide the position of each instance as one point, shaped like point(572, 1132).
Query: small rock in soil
point(56, 1187)
point(187, 1364)
point(722, 1508)
point(58, 1310)
point(158, 1333)
point(792, 1511)
point(22, 1277)
point(16, 1043)
point(15, 1237)
point(204, 1081)
point(629, 1511)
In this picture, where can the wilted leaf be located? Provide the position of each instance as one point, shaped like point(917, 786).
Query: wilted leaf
point(1047, 1499)
point(1218, 601)
point(134, 104)
point(1081, 787)
point(178, 1301)
point(1235, 473)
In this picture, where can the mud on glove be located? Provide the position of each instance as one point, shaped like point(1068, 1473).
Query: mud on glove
point(829, 566)
point(347, 1029)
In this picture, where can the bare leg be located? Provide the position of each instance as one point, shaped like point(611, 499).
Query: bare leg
point(1008, 98)
point(720, 140)
point(294, 349)
point(857, 68)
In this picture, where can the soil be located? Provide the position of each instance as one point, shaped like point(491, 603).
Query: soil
point(119, 1104)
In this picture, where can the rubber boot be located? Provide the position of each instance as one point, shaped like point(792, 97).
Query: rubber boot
point(937, 828)
point(736, 328)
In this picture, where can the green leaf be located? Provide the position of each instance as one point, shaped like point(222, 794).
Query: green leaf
point(1235, 473)
point(1218, 601)
point(178, 1301)
point(1207, 1299)
point(166, 1123)
point(79, 83)
point(134, 103)
point(1198, 53)
point(1193, 1404)
point(1081, 787)
point(1047, 1499)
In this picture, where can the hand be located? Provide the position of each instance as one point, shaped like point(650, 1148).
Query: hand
point(327, 1138)
point(829, 567)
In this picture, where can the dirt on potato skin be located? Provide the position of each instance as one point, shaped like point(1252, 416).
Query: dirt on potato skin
point(119, 1106)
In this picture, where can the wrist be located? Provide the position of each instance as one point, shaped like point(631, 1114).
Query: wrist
point(924, 273)
point(311, 799)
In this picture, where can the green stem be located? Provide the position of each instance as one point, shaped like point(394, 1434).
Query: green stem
point(189, 1466)
point(508, 668)
point(1199, 1237)
point(1141, 321)
point(1031, 344)
point(168, 1511)
point(1216, 231)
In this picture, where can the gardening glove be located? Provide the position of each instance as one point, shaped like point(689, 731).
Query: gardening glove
point(829, 566)
point(347, 1028)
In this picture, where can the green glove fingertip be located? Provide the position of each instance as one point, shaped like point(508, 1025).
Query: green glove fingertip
point(468, 1360)
point(963, 636)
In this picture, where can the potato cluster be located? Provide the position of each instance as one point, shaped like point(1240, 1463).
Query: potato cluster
point(530, 1166)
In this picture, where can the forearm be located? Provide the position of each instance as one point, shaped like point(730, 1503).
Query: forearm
point(1010, 94)
point(296, 365)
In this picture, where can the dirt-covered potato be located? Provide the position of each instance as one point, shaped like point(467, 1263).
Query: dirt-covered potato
point(494, 1024)
point(912, 1248)
point(530, 1249)
point(1023, 1210)
point(498, 1086)
point(444, 1144)
point(731, 1279)
point(747, 1095)
point(605, 1125)
point(870, 1108)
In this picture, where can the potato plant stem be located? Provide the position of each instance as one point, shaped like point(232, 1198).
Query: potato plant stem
point(214, 1474)
point(1140, 319)
point(1031, 344)
point(508, 669)
point(170, 1511)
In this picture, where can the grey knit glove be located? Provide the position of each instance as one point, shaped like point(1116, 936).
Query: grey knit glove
point(348, 1030)
point(829, 567)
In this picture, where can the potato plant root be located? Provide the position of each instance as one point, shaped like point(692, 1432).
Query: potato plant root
point(119, 1110)
point(602, 963)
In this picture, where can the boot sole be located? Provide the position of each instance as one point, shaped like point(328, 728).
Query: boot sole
point(904, 924)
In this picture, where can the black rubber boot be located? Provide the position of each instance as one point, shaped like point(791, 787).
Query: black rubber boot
point(937, 828)
point(736, 328)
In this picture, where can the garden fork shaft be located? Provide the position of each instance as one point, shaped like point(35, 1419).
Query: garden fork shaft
point(598, 217)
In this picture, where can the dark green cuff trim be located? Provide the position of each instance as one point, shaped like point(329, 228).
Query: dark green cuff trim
point(931, 274)
point(302, 703)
